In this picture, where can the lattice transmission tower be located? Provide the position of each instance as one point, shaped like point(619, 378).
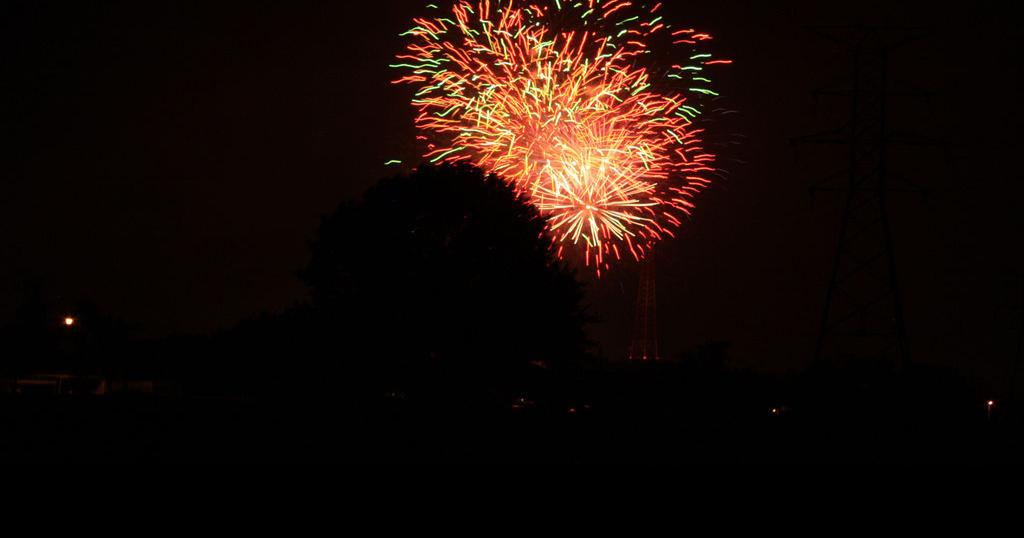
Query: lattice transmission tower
point(862, 319)
point(644, 345)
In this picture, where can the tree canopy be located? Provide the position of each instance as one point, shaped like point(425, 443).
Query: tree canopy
point(445, 263)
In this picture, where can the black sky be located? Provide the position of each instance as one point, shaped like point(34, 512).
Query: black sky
point(170, 160)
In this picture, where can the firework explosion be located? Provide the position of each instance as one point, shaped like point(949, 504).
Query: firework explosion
point(572, 103)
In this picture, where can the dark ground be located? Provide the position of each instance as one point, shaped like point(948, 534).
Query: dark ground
point(860, 425)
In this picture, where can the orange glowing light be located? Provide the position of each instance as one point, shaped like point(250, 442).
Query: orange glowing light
point(69, 321)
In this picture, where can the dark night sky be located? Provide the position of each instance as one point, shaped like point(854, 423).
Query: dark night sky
point(171, 159)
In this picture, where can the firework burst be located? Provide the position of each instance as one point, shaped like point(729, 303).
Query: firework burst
point(589, 107)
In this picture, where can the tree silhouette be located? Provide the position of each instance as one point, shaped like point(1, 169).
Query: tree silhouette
point(445, 265)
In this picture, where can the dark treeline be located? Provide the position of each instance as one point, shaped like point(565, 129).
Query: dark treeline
point(440, 326)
